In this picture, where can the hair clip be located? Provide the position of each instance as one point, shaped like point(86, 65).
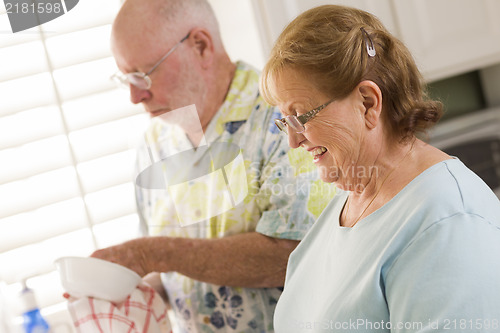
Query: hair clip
point(370, 47)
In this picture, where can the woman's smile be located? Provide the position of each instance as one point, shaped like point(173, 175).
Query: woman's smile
point(318, 153)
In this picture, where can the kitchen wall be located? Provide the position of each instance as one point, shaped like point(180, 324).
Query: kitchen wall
point(239, 30)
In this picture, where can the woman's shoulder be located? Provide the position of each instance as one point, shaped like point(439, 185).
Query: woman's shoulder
point(476, 196)
point(449, 187)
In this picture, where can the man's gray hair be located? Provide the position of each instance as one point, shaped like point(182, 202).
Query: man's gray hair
point(199, 13)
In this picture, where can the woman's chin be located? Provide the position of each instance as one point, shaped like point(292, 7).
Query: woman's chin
point(327, 175)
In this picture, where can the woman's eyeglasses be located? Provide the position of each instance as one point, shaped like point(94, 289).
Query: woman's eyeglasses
point(296, 123)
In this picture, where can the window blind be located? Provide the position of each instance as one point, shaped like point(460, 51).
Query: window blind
point(67, 149)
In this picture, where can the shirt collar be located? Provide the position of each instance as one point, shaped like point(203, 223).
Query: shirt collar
point(240, 98)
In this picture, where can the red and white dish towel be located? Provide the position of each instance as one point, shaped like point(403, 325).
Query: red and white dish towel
point(142, 312)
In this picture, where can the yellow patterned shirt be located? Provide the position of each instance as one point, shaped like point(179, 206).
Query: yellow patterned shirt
point(282, 196)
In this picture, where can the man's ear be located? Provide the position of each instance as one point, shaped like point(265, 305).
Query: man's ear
point(371, 96)
point(203, 45)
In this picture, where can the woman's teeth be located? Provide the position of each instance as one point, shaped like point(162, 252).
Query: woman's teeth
point(317, 152)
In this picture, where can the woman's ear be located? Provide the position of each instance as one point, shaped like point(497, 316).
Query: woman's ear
point(203, 45)
point(371, 96)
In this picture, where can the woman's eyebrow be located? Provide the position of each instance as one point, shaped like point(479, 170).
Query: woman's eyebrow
point(303, 106)
point(289, 108)
point(286, 108)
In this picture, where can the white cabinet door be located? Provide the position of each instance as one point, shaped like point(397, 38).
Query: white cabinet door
point(380, 8)
point(274, 15)
point(449, 37)
point(446, 37)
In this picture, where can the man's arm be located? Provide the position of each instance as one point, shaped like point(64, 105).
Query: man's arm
point(249, 260)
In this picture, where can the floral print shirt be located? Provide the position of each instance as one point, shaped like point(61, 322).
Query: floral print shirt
point(283, 199)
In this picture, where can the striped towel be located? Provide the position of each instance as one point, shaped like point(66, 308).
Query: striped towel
point(142, 312)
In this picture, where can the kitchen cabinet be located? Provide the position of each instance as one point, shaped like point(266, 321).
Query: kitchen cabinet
point(273, 15)
point(446, 37)
point(449, 37)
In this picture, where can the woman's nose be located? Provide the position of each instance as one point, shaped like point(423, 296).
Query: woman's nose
point(294, 139)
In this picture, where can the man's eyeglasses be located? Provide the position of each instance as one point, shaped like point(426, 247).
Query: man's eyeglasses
point(142, 80)
point(296, 123)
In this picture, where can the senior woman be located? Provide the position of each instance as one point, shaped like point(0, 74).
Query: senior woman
point(412, 240)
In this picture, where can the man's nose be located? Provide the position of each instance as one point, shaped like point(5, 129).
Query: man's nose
point(138, 95)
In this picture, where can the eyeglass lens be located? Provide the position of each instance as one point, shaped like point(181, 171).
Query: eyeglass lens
point(281, 126)
point(292, 121)
point(138, 80)
point(295, 124)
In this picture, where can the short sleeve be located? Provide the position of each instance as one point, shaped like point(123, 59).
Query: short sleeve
point(448, 279)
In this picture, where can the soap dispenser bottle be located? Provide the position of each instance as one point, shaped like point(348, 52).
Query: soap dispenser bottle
point(33, 320)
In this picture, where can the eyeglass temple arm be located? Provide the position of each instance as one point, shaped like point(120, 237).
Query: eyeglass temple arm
point(306, 116)
point(168, 53)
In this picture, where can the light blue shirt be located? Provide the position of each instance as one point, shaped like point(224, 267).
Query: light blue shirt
point(427, 261)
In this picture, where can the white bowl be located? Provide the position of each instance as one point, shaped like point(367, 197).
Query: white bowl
point(92, 277)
